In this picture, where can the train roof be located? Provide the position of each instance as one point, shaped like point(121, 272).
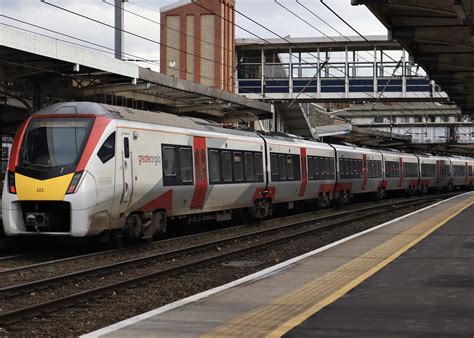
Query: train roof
point(137, 115)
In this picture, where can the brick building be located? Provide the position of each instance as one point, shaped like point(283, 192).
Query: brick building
point(198, 42)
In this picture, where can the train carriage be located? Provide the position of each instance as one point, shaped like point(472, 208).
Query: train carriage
point(86, 169)
point(460, 171)
point(321, 168)
point(353, 172)
point(428, 173)
point(82, 169)
point(284, 156)
point(444, 179)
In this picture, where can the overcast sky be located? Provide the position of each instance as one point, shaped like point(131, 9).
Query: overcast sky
point(267, 12)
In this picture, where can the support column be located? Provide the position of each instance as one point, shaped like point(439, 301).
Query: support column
point(119, 27)
point(290, 74)
point(262, 80)
point(318, 77)
point(375, 72)
point(346, 71)
point(404, 77)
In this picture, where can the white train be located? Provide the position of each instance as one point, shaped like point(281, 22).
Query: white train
point(87, 169)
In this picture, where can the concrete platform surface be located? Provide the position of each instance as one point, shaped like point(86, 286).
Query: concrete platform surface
point(389, 280)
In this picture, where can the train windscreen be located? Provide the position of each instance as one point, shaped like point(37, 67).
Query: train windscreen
point(54, 142)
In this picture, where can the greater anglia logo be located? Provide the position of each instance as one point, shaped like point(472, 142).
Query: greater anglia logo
point(144, 159)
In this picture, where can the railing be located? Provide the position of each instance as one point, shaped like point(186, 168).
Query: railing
point(349, 79)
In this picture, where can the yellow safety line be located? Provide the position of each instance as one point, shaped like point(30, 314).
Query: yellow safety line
point(290, 324)
point(244, 322)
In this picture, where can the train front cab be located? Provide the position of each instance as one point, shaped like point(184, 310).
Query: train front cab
point(50, 189)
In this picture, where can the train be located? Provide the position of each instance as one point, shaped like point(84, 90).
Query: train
point(82, 169)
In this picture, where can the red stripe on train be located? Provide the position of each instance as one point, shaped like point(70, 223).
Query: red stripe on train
point(162, 202)
point(304, 173)
point(16, 146)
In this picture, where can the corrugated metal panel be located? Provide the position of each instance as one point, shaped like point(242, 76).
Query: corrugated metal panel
point(465, 134)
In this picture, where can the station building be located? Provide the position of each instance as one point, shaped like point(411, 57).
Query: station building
point(198, 42)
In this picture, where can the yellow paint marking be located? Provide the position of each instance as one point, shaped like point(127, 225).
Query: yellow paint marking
point(293, 307)
point(30, 189)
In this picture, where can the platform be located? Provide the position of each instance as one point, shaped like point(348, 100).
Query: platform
point(412, 275)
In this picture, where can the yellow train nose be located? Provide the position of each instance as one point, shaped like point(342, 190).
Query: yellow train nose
point(31, 189)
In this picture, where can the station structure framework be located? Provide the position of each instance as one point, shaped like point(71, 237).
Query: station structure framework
point(439, 35)
point(332, 69)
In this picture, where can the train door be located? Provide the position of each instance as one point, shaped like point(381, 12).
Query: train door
point(200, 169)
point(127, 172)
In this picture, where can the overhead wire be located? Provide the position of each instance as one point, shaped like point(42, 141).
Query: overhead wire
point(358, 33)
point(128, 32)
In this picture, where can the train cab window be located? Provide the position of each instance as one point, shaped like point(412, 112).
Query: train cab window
point(469, 170)
point(126, 147)
point(282, 167)
point(259, 167)
point(107, 151)
point(310, 168)
point(238, 167)
point(214, 166)
point(226, 162)
point(186, 165)
point(289, 167)
point(249, 167)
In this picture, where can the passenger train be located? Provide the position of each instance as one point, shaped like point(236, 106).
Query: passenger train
point(86, 169)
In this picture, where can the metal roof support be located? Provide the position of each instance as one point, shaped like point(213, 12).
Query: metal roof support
point(119, 28)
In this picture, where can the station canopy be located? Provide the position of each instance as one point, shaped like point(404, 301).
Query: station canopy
point(440, 36)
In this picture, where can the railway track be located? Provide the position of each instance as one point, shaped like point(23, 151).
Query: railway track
point(135, 272)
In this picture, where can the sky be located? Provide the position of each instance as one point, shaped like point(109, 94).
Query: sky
point(266, 12)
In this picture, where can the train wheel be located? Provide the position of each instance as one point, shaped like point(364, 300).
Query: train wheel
point(340, 199)
point(262, 209)
point(380, 194)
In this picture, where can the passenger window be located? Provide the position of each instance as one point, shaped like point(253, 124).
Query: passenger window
point(238, 167)
point(226, 166)
point(249, 167)
point(169, 162)
point(259, 166)
point(310, 168)
point(214, 166)
point(282, 167)
point(186, 165)
point(204, 171)
point(289, 167)
point(126, 147)
point(274, 164)
point(316, 167)
point(107, 151)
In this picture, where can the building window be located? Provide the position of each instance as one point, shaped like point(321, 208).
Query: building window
point(378, 119)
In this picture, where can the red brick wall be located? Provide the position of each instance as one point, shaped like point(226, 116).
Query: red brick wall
point(224, 49)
